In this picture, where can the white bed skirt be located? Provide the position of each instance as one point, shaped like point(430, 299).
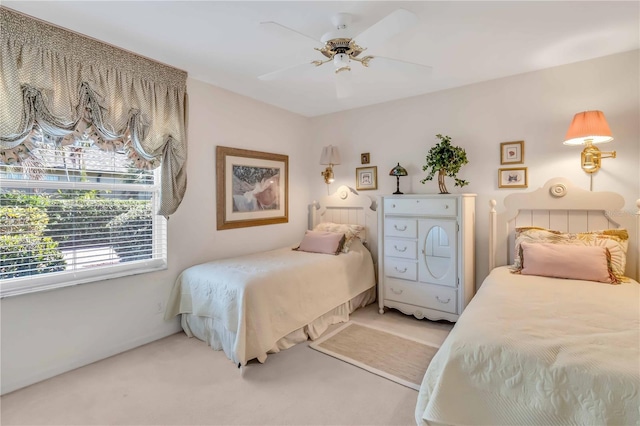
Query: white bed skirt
point(218, 337)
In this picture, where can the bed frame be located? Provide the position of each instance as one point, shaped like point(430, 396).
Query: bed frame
point(564, 207)
point(346, 205)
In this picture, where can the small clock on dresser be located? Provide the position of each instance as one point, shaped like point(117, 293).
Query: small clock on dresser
point(427, 266)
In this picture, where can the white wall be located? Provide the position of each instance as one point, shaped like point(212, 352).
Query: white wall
point(47, 333)
point(536, 107)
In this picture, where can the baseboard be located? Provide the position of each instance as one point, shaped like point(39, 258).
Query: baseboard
point(10, 386)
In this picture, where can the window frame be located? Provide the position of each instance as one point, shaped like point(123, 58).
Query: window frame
point(50, 281)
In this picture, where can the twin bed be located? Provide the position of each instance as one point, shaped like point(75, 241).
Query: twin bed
point(539, 350)
point(252, 305)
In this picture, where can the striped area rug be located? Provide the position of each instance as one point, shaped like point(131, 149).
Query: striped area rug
point(398, 358)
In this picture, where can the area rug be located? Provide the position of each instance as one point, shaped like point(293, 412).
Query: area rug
point(398, 358)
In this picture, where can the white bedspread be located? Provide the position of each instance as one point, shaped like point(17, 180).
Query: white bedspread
point(264, 296)
point(539, 351)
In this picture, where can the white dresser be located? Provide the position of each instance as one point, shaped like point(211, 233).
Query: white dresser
point(426, 254)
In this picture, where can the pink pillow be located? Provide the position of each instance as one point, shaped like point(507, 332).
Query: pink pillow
point(590, 263)
point(322, 242)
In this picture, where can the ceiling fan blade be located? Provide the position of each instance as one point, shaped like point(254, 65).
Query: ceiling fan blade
point(295, 70)
point(392, 24)
point(281, 30)
point(381, 62)
point(344, 85)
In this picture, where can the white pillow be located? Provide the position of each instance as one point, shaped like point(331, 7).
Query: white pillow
point(350, 231)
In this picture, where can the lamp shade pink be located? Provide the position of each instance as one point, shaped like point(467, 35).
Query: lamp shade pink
point(588, 126)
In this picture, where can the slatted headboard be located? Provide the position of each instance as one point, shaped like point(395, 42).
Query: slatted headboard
point(564, 207)
point(346, 205)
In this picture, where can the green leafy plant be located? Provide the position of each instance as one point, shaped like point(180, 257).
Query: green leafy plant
point(131, 233)
point(24, 251)
point(446, 160)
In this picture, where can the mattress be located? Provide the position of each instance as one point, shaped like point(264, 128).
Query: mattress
point(256, 300)
point(536, 350)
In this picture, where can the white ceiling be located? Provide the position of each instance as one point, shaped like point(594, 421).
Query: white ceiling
point(223, 43)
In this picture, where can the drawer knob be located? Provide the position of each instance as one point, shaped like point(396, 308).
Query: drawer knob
point(446, 206)
point(394, 291)
point(398, 270)
point(404, 228)
point(402, 250)
point(443, 301)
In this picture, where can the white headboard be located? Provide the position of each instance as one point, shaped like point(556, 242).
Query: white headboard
point(347, 206)
point(564, 207)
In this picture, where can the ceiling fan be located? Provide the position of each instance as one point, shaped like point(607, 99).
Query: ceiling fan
point(343, 49)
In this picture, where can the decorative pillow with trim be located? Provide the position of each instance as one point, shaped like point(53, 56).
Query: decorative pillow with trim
point(570, 261)
point(322, 242)
point(616, 240)
point(350, 231)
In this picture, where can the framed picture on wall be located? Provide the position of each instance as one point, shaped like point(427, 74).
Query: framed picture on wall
point(512, 152)
point(251, 188)
point(365, 158)
point(366, 178)
point(515, 177)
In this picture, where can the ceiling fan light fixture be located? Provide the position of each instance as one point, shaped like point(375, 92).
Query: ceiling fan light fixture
point(341, 61)
point(341, 45)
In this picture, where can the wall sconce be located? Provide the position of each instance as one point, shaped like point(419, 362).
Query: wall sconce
point(398, 171)
point(589, 128)
point(331, 157)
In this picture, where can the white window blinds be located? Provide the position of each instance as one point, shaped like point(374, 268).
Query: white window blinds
point(72, 213)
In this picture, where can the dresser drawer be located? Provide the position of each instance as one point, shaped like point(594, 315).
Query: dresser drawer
point(423, 206)
point(426, 296)
point(400, 247)
point(398, 268)
point(407, 228)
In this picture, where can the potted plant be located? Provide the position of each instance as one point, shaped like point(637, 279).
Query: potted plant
point(446, 160)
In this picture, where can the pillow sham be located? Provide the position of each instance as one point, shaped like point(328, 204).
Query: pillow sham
point(322, 242)
point(350, 231)
point(616, 240)
point(590, 263)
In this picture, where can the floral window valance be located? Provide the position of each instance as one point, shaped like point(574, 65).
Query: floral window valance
point(69, 84)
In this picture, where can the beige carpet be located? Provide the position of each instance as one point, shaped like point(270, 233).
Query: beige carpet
point(399, 358)
point(182, 381)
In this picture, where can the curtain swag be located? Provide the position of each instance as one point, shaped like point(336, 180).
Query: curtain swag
point(70, 85)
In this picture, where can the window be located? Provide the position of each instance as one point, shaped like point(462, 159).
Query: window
point(73, 211)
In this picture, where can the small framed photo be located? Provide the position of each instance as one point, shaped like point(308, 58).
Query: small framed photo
point(364, 158)
point(514, 177)
point(512, 152)
point(366, 178)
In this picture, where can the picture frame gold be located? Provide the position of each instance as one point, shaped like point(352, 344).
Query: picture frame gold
point(365, 158)
point(512, 152)
point(252, 188)
point(366, 178)
point(513, 177)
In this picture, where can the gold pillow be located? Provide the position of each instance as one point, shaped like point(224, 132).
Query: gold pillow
point(616, 240)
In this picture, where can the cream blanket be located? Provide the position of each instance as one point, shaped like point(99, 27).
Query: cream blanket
point(539, 351)
point(264, 296)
